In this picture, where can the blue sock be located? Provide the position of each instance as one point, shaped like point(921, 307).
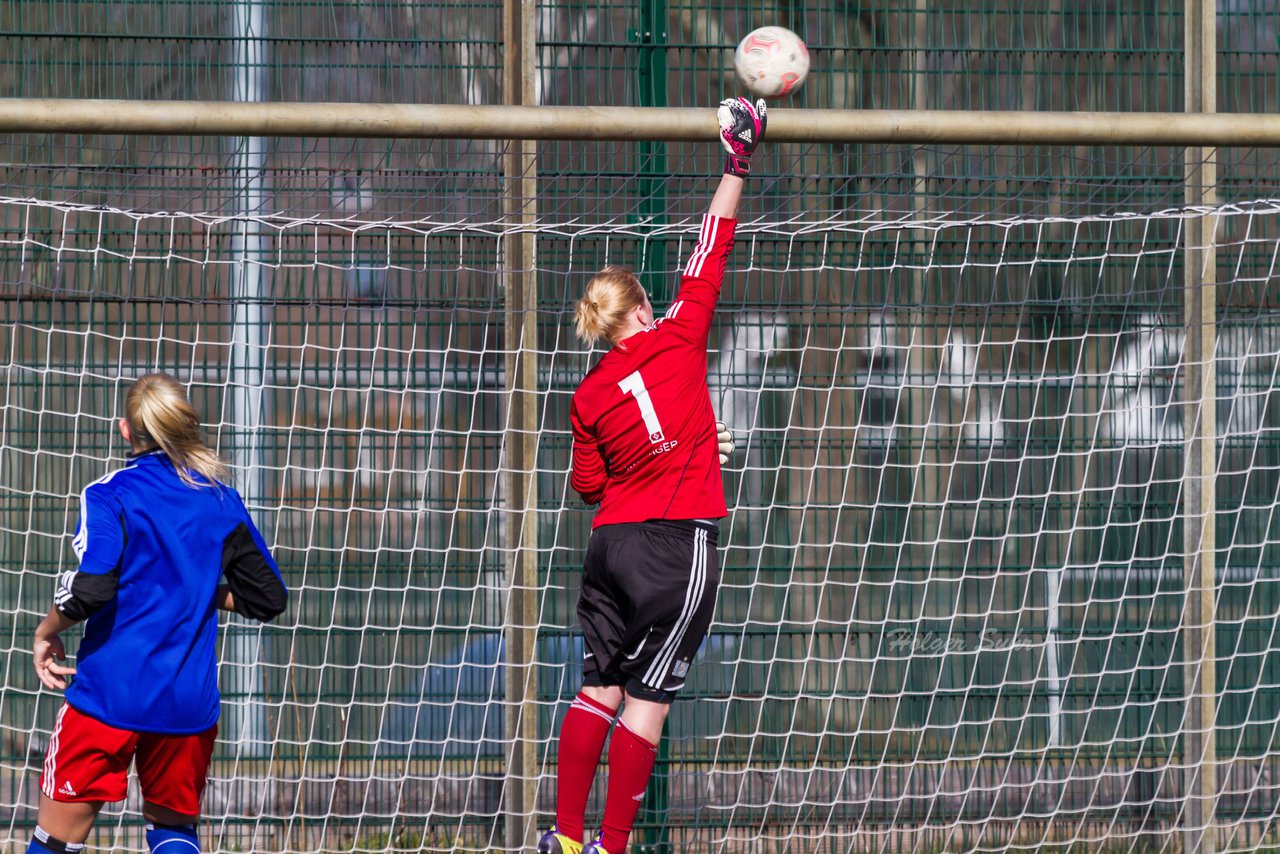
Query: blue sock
point(43, 843)
point(172, 838)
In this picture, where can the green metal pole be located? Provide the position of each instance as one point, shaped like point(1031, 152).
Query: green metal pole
point(652, 36)
point(654, 272)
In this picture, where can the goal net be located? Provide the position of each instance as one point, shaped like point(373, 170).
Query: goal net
point(953, 607)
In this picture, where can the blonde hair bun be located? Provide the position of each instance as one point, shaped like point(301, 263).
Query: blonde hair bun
point(610, 294)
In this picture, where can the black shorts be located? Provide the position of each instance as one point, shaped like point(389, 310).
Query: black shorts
point(648, 593)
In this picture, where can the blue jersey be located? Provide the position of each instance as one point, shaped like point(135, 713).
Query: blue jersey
point(153, 551)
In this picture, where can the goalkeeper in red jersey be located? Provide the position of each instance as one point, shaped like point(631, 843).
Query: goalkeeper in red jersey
point(644, 449)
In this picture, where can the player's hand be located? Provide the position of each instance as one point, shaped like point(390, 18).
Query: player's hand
point(742, 127)
point(48, 651)
point(724, 442)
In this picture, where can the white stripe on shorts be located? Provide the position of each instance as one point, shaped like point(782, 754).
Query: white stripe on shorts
point(661, 663)
point(51, 758)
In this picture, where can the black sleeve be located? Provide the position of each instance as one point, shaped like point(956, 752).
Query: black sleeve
point(251, 575)
point(99, 544)
point(79, 594)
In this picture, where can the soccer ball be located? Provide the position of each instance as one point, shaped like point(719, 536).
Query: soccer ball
point(772, 62)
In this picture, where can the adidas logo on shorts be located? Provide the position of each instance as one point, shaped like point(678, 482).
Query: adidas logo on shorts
point(65, 789)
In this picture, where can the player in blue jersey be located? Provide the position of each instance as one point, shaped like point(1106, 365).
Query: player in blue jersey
point(163, 543)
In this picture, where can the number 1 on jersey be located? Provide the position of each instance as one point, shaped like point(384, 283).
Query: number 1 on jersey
point(633, 385)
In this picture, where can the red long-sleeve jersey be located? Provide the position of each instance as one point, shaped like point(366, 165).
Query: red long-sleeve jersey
point(643, 428)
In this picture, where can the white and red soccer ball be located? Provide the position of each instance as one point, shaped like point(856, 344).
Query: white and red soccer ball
point(772, 62)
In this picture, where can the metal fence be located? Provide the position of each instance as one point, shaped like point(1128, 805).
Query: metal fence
point(380, 355)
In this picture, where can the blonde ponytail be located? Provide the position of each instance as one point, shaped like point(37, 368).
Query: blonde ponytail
point(610, 294)
point(159, 413)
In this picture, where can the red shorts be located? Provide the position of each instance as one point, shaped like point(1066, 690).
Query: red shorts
point(89, 761)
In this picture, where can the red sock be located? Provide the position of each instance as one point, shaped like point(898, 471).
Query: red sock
point(631, 761)
point(582, 736)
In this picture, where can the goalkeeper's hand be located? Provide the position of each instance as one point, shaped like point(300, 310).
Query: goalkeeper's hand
point(724, 441)
point(742, 127)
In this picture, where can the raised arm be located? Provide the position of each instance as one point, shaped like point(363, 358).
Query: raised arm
point(742, 126)
point(725, 202)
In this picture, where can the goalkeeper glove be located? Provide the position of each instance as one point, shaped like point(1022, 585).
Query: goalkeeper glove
point(742, 127)
point(724, 441)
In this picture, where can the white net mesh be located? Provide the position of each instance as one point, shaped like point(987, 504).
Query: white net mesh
point(952, 604)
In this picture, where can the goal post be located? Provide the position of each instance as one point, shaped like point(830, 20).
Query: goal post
point(671, 124)
point(1199, 501)
point(964, 517)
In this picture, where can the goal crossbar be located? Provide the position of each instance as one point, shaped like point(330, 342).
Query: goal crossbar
point(451, 121)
